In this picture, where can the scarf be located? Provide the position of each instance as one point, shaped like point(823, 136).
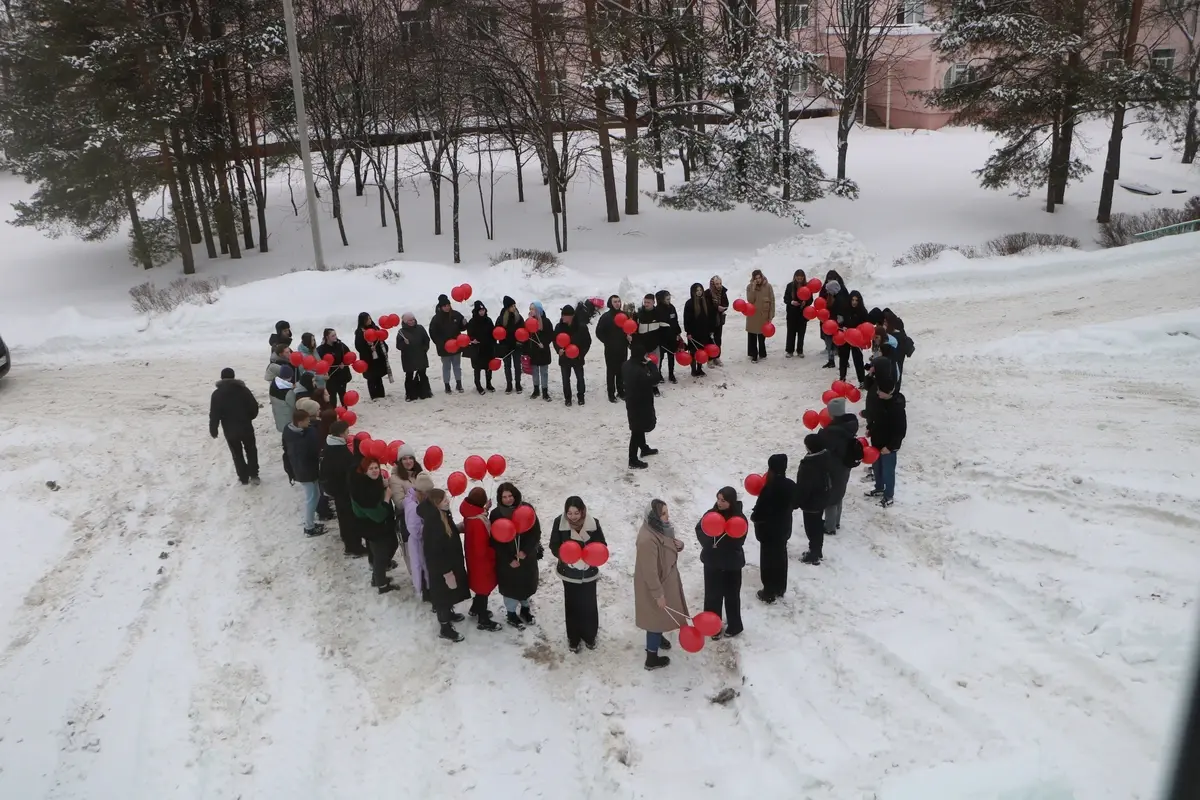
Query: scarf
point(282, 384)
point(658, 526)
point(335, 441)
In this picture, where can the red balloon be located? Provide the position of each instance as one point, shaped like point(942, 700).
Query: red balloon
point(383, 473)
point(361, 435)
point(572, 351)
point(562, 339)
point(463, 340)
point(868, 333)
point(360, 366)
point(321, 368)
point(503, 530)
point(496, 465)
point(620, 319)
point(349, 359)
point(870, 455)
point(825, 417)
point(839, 339)
point(754, 483)
point(701, 357)
point(748, 309)
point(684, 358)
point(804, 294)
point(768, 329)
point(456, 294)
point(350, 398)
point(466, 290)
point(707, 623)
point(328, 358)
point(391, 454)
point(371, 335)
point(630, 326)
point(296, 358)
point(396, 444)
point(854, 337)
point(521, 335)
point(739, 305)
point(475, 467)
point(495, 364)
point(310, 361)
point(433, 458)
point(524, 518)
point(809, 312)
point(823, 314)
point(598, 302)
point(737, 527)
point(690, 639)
point(713, 350)
point(499, 334)
point(570, 552)
point(533, 324)
point(451, 346)
point(349, 417)
point(595, 554)
point(864, 441)
point(712, 524)
point(839, 387)
point(829, 327)
point(814, 285)
point(828, 395)
point(456, 483)
point(811, 420)
point(820, 303)
point(853, 395)
point(653, 358)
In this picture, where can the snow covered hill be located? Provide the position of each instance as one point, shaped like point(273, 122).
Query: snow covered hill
point(1017, 626)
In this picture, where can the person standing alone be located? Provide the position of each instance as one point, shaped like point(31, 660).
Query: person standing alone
point(234, 408)
point(760, 295)
point(723, 559)
point(641, 378)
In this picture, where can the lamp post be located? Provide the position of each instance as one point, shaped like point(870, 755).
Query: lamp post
point(310, 187)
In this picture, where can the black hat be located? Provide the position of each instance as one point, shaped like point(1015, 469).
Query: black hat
point(282, 325)
point(227, 374)
point(568, 311)
point(509, 302)
point(813, 443)
point(478, 305)
point(443, 300)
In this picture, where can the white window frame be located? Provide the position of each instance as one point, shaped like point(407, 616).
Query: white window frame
point(798, 84)
point(680, 7)
point(416, 29)
point(1111, 59)
point(795, 14)
point(1163, 58)
point(911, 12)
point(957, 73)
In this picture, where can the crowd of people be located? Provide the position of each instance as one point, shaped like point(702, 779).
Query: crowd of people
point(382, 509)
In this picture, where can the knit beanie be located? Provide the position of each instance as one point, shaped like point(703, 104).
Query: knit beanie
point(832, 288)
point(568, 311)
point(509, 302)
point(837, 407)
point(477, 497)
point(282, 326)
point(405, 451)
point(286, 372)
point(423, 483)
point(443, 300)
point(308, 404)
point(813, 443)
point(478, 305)
point(227, 374)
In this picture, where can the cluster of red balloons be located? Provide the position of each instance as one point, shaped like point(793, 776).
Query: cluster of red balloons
point(454, 345)
point(376, 334)
point(870, 454)
point(475, 468)
point(563, 340)
point(841, 389)
point(505, 530)
point(818, 310)
point(389, 321)
point(381, 451)
point(703, 355)
point(626, 324)
point(714, 524)
point(742, 307)
point(597, 302)
point(310, 362)
point(704, 624)
point(347, 416)
point(461, 294)
point(594, 554)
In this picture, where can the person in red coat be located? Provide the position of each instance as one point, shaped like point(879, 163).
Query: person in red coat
point(481, 557)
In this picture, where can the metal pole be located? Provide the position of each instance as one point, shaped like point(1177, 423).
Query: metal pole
point(887, 123)
point(310, 187)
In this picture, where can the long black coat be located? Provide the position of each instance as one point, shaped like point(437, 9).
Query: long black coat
point(854, 316)
point(889, 422)
point(640, 377)
point(510, 319)
point(795, 314)
point(413, 343)
point(836, 439)
point(233, 406)
point(519, 582)
point(336, 465)
point(813, 482)
point(772, 514)
point(480, 330)
point(443, 554)
point(339, 373)
point(444, 327)
point(699, 322)
point(723, 552)
point(366, 495)
point(539, 345)
point(374, 353)
point(615, 340)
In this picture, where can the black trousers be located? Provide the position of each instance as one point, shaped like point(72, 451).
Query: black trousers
point(443, 614)
point(337, 391)
point(382, 548)
point(613, 377)
point(756, 345)
point(245, 455)
point(717, 334)
point(375, 385)
point(324, 512)
point(723, 587)
point(479, 607)
point(637, 443)
point(347, 529)
point(668, 358)
point(814, 529)
point(416, 385)
point(844, 354)
point(795, 335)
point(579, 609)
point(481, 372)
point(512, 368)
point(580, 386)
point(773, 566)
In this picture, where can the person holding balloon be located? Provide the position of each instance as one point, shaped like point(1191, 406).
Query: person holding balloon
point(699, 322)
point(772, 518)
point(796, 297)
point(669, 331)
point(852, 316)
point(837, 439)
point(572, 340)
point(412, 341)
point(444, 559)
point(888, 425)
point(422, 485)
point(577, 541)
point(509, 349)
point(541, 336)
point(371, 501)
point(371, 343)
point(308, 352)
point(832, 295)
point(518, 547)
point(444, 328)
point(718, 297)
point(480, 555)
point(761, 296)
point(659, 604)
point(723, 555)
point(334, 352)
point(482, 332)
point(613, 334)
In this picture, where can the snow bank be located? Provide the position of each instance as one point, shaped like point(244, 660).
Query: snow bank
point(1172, 338)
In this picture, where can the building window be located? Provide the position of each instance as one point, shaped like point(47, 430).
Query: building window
point(1163, 58)
point(483, 25)
point(680, 7)
point(556, 82)
point(959, 74)
point(1111, 59)
point(799, 83)
point(795, 14)
point(415, 27)
point(910, 12)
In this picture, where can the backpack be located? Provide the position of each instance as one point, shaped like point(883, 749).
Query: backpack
point(908, 347)
point(854, 453)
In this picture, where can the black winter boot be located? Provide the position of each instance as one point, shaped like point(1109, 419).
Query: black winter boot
point(449, 634)
point(527, 615)
point(486, 623)
point(655, 661)
point(537, 392)
point(580, 399)
point(515, 621)
point(568, 401)
point(458, 386)
point(448, 389)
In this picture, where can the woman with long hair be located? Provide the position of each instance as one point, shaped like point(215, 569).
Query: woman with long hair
point(723, 558)
point(579, 579)
point(371, 501)
point(699, 322)
point(444, 558)
point(718, 296)
point(374, 353)
point(797, 324)
point(516, 561)
point(772, 518)
point(480, 555)
point(659, 604)
point(339, 372)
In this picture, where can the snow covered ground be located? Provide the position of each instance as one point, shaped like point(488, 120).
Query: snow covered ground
point(1017, 627)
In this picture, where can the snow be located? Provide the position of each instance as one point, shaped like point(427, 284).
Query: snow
point(1018, 627)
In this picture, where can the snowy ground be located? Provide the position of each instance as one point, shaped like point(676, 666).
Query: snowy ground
point(1017, 627)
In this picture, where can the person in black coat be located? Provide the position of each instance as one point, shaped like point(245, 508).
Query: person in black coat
point(835, 294)
point(853, 315)
point(836, 440)
point(718, 297)
point(302, 458)
point(699, 322)
point(374, 353)
point(339, 371)
point(234, 408)
point(483, 344)
point(371, 503)
point(723, 558)
point(616, 348)
point(904, 343)
point(813, 485)
point(337, 462)
point(447, 324)
point(888, 425)
point(669, 331)
point(648, 326)
point(509, 350)
point(444, 562)
point(641, 380)
point(579, 579)
point(516, 561)
point(577, 331)
point(797, 324)
point(413, 343)
point(538, 347)
point(282, 334)
point(772, 518)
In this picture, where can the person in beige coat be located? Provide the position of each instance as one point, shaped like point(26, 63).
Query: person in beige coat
point(659, 604)
point(760, 295)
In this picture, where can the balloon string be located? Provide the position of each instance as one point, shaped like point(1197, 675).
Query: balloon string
point(680, 613)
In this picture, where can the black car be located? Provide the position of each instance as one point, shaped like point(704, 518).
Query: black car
point(5, 359)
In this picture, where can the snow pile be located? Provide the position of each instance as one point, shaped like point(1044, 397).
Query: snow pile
point(1167, 340)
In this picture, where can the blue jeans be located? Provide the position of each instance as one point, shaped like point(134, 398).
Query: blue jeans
point(312, 495)
point(653, 640)
point(541, 376)
point(454, 361)
point(511, 606)
point(885, 474)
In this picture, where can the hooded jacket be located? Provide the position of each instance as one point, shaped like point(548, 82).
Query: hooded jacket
point(795, 314)
point(563, 532)
point(836, 439)
point(302, 448)
point(233, 407)
point(443, 555)
point(614, 339)
point(374, 353)
point(444, 326)
point(480, 329)
point(278, 337)
point(413, 343)
point(889, 422)
point(813, 482)
point(772, 514)
point(283, 402)
point(337, 462)
point(723, 552)
point(854, 316)
point(372, 513)
point(519, 582)
point(668, 321)
point(581, 337)
point(477, 543)
point(640, 377)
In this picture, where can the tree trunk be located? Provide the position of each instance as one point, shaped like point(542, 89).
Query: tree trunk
point(435, 181)
point(600, 95)
point(185, 188)
point(1051, 171)
point(382, 186)
point(336, 195)
point(181, 228)
point(359, 181)
point(201, 201)
point(139, 235)
point(239, 167)
point(845, 123)
point(454, 209)
point(631, 159)
point(1112, 163)
point(212, 124)
point(660, 181)
point(1191, 129)
point(520, 176)
point(396, 200)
